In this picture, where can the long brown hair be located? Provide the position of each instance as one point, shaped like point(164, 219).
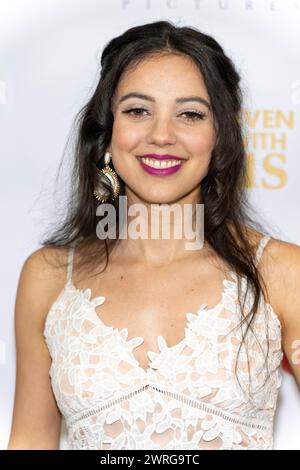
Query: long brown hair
point(228, 213)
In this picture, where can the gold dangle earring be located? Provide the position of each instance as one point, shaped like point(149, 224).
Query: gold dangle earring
point(113, 179)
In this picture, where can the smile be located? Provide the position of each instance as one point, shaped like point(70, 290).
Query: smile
point(160, 167)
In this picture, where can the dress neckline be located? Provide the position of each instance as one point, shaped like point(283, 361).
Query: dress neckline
point(228, 295)
point(229, 286)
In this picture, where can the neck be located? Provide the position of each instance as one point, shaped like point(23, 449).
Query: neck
point(159, 234)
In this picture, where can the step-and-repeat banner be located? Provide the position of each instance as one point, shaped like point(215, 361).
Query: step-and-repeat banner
point(49, 64)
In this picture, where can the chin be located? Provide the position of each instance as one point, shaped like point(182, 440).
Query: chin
point(162, 200)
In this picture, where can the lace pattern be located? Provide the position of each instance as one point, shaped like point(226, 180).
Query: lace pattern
point(189, 396)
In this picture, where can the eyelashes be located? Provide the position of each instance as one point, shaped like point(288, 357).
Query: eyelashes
point(192, 115)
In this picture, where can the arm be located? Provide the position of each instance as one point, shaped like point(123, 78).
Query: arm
point(284, 272)
point(36, 417)
point(290, 309)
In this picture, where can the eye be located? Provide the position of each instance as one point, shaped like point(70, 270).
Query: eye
point(134, 111)
point(193, 115)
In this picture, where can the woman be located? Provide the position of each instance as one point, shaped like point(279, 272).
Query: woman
point(137, 359)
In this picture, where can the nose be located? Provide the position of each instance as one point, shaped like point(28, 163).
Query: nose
point(161, 132)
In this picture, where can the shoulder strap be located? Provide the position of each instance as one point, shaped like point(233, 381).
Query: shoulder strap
point(70, 261)
point(261, 246)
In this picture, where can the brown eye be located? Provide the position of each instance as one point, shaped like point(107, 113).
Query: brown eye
point(134, 111)
point(191, 115)
point(194, 116)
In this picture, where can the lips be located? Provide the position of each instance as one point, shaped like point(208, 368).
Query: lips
point(157, 167)
point(161, 157)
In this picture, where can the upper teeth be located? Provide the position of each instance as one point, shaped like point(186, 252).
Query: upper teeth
point(155, 163)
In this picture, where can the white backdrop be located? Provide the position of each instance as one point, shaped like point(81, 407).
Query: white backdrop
point(49, 59)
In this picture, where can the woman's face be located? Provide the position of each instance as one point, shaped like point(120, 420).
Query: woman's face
point(160, 124)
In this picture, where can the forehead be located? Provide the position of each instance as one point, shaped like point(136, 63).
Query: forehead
point(164, 75)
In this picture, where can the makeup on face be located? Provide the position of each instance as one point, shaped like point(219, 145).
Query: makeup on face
point(161, 165)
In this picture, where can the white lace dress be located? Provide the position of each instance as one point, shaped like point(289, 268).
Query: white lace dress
point(189, 396)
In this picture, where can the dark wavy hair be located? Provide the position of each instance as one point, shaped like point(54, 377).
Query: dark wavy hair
point(228, 213)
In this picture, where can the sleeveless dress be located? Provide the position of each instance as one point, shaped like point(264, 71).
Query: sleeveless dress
point(190, 396)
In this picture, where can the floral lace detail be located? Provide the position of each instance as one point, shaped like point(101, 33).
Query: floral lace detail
point(188, 398)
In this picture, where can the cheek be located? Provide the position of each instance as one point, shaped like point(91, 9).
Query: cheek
point(200, 142)
point(124, 135)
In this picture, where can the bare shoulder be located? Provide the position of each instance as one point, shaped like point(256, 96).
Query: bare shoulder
point(280, 267)
point(278, 251)
point(46, 261)
point(42, 277)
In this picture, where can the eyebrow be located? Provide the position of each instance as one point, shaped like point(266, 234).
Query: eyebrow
point(199, 99)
